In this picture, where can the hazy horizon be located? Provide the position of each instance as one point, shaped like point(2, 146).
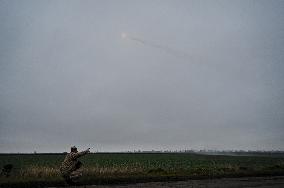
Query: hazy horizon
point(141, 75)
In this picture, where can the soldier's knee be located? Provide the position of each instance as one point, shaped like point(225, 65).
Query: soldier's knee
point(79, 164)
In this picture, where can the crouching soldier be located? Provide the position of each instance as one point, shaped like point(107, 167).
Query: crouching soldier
point(70, 167)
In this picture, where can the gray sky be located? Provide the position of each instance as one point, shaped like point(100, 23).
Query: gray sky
point(67, 77)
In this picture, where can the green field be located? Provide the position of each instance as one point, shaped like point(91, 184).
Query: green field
point(99, 168)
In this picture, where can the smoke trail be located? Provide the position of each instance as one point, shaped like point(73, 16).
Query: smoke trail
point(166, 49)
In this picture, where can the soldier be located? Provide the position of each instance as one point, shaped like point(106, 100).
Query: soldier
point(70, 167)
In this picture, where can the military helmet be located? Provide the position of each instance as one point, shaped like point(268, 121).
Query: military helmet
point(73, 148)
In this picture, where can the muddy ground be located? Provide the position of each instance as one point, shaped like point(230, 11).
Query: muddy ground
point(263, 182)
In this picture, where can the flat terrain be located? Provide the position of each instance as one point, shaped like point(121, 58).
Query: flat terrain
point(262, 182)
point(38, 170)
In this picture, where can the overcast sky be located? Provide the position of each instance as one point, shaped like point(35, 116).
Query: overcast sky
point(208, 75)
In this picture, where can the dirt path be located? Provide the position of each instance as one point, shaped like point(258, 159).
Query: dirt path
point(263, 182)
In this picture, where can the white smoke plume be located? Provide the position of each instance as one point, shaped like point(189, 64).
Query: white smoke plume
point(166, 49)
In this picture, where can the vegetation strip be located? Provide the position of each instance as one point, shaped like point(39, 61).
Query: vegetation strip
point(107, 168)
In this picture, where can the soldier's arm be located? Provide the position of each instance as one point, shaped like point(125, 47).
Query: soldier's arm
point(80, 154)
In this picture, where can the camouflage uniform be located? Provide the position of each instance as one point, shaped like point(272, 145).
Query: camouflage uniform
point(70, 166)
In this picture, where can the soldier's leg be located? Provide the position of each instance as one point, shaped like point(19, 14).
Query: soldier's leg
point(67, 179)
point(78, 165)
point(76, 174)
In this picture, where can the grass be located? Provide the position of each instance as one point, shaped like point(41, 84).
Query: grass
point(100, 168)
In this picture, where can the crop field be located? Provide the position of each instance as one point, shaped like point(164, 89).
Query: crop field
point(103, 168)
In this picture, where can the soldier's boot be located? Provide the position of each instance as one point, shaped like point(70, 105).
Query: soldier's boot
point(68, 180)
